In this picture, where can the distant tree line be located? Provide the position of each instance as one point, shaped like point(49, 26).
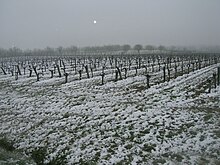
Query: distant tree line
point(74, 50)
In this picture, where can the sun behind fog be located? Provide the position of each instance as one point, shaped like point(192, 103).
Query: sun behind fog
point(94, 21)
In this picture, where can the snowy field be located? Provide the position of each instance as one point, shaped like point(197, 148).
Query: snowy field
point(123, 122)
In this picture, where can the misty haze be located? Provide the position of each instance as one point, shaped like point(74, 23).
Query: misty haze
point(109, 82)
point(29, 24)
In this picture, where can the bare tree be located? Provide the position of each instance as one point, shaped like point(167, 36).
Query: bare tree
point(72, 50)
point(126, 48)
point(138, 47)
point(60, 50)
point(161, 48)
point(149, 47)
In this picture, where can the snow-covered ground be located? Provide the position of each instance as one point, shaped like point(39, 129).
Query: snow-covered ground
point(175, 122)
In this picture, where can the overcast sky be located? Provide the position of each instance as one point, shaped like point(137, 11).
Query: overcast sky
point(41, 23)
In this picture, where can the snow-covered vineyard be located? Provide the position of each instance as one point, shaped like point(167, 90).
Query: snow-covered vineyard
point(119, 111)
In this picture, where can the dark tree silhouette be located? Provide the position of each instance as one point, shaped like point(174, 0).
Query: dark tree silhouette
point(126, 48)
point(138, 47)
point(149, 47)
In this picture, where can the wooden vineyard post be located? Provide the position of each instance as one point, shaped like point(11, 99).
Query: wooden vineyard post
point(218, 76)
point(136, 63)
point(214, 79)
point(103, 69)
point(129, 65)
point(75, 65)
point(60, 63)
point(145, 69)
point(170, 62)
point(126, 71)
point(87, 71)
point(168, 70)
point(24, 68)
point(42, 71)
point(110, 61)
point(116, 62)
point(215, 60)
point(51, 71)
point(35, 71)
point(164, 74)
point(196, 65)
point(199, 64)
point(58, 69)
point(38, 76)
point(152, 67)
point(135, 71)
point(91, 71)
point(64, 66)
point(210, 85)
point(80, 74)
point(205, 64)
point(175, 70)
point(139, 63)
point(95, 67)
point(16, 75)
point(30, 72)
point(8, 71)
point(54, 69)
point(64, 69)
point(148, 80)
point(19, 71)
point(119, 73)
point(188, 67)
point(182, 67)
point(103, 75)
point(193, 64)
point(66, 77)
point(116, 75)
point(98, 63)
point(12, 72)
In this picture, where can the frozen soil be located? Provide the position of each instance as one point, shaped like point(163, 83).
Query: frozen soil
point(124, 122)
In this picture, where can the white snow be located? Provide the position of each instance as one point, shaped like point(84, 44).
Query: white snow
point(114, 122)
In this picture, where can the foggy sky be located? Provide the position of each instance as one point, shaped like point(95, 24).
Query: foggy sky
point(41, 23)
